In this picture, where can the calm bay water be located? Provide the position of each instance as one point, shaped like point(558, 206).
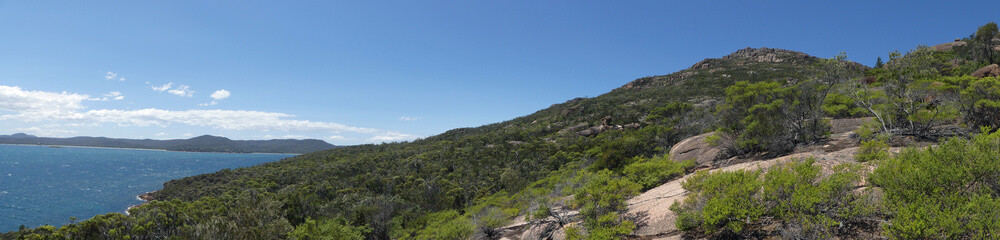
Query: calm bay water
point(44, 185)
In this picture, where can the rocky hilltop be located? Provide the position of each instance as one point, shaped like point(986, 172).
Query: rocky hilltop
point(744, 64)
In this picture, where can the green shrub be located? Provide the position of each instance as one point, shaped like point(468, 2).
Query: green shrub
point(873, 149)
point(838, 105)
point(772, 117)
point(947, 192)
point(979, 98)
point(446, 225)
point(795, 196)
point(652, 172)
point(602, 199)
point(336, 229)
point(719, 202)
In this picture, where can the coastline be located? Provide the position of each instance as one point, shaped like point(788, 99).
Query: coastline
point(147, 149)
point(145, 198)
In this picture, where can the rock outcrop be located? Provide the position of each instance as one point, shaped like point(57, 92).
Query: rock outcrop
point(992, 70)
point(584, 129)
point(948, 46)
point(750, 55)
point(651, 209)
point(767, 55)
point(696, 148)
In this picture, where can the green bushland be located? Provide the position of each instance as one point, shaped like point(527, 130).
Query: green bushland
point(468, 181)
point(951, 191)
point(873, 149)
point(772, 117)
point(337, 229)
point(797, 199)
point(602, 199)
point(652, 172)
point(838, 105)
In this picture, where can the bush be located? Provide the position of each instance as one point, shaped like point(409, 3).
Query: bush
point(446, 225)
point(874, 149)
point(328, 230)
point(651, 172)
point(947, 192)
point(979, 99)
point(838, 105)
point(795, 196)
point(770, 117)
point(602, 199)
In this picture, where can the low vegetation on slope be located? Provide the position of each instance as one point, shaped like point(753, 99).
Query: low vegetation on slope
point(795, 201)
point(470, 182)
point(949, 191)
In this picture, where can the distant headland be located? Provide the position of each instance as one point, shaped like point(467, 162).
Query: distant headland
point(205, 143)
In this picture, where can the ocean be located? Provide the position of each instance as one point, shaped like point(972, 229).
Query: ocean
point(42, 185)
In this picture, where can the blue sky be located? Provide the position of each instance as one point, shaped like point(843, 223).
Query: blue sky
point(374, 71)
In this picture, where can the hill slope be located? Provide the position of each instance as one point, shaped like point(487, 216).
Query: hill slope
point(373, 184)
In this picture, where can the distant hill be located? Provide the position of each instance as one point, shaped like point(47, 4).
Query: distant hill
point(206, 143)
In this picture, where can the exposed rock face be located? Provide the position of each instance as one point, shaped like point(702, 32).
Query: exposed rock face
point(988, 71)
point(582, 129)
point(547, 228)
point(750, 64)
point(651, 209)
point(573, 128)
point(767, 55)
point(696, 148)
point(948, 46)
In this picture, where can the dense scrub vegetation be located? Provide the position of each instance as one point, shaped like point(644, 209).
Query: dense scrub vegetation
point(947, 192)
point(796, 198)
point(469, 182)
point(466, 182)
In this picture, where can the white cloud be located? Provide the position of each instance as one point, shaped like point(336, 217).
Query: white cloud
point(221, 119)
point(38, 105)
point(164, 87)
point(161, 134)
point(44, 132)
point(116, 95)
point(182, 91)
point(212, 103)
point(391, 136)
point(121, 79)
point(220, 94)
point(188, 135)
point(405, 118)
point(336, 137)
point(111, 76)
point(290, 136)
point(50, 107)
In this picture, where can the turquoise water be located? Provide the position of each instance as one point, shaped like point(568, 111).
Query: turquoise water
point(43, 185)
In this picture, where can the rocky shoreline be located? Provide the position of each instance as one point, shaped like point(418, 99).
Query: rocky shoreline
point(145, 197)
